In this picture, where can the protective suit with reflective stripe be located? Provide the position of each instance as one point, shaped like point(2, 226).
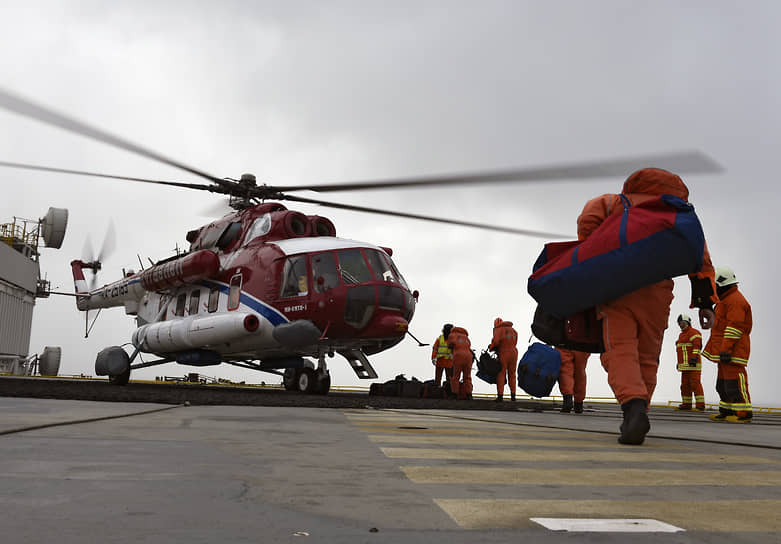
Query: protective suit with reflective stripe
point(729, 346)
point(458, 341)
point(634, 324)
point(688, 349)
point(442, 357)
point(504, 343)
point(572, 376)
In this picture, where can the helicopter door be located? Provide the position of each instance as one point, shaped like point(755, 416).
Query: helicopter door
point(325, 278)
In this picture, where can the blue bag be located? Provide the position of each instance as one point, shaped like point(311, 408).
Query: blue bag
point(538, 370)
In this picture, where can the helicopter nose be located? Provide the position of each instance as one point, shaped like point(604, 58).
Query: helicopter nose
point(386, 326)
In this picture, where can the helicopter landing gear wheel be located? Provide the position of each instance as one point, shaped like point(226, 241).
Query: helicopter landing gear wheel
point(290, 379)
point(120, 379)
point(306, 380)
point(322, 383)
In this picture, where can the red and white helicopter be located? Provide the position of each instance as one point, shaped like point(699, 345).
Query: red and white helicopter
point(267, 288)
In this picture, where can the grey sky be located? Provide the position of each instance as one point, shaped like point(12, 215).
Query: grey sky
point(301, 92)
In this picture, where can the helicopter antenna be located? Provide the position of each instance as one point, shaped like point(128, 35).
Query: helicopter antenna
point(140, 263)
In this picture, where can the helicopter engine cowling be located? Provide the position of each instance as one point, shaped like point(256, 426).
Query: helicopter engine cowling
point(321, 226)
point(188, 269)
point(195, 332)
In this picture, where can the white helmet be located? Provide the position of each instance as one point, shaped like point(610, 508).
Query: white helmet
point(725, 276)
point(684, 317)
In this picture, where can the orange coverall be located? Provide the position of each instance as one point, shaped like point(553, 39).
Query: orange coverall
point(504, 343)
point(688, 349)
point(572, 377)
point(634, 324)
point(458, 340)
point(730, 335)
point(444, 358)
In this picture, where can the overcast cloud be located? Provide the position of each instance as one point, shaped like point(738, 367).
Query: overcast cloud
point(337, 91)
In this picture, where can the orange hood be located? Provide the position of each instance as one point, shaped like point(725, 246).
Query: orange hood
point(655, 181)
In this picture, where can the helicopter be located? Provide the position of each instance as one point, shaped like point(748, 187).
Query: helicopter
point(269, 288)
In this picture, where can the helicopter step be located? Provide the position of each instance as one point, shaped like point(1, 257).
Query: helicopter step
point(359, 363)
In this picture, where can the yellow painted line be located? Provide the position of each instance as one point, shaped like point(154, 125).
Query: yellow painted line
point(599, 477)
point(622, 455)
point(716, 516)
point(579, 443)
point(440, 424)
point(460, 430)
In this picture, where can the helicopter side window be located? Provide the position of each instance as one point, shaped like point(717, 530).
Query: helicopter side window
point(234, 294)
point(229, 235)
point(324, 273)
point(260, 227)
point(214, 299)
point(380, 267)
point(399, 278)
point(195, 299)
point(181, 301)
point(352, 267)
point(294, 277)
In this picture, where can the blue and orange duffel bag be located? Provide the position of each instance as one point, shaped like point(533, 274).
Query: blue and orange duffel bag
point(538, 370)
point(655, 240)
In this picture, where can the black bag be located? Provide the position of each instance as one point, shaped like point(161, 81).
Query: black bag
point(581, 331)
point(488, 367)
point(538, 370)
point(431, 390)
point(411, 388)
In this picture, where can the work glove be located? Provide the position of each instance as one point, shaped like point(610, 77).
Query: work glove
point(725, 357)
point(434, 362)
point(693, 361)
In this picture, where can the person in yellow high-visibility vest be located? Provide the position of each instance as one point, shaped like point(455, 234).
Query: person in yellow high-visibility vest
point(442, 356)
point(688, 349)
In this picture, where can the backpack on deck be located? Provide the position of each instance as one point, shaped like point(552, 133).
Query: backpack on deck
point(655, 240)
point(581, 331)
point(488, 367)
point(538, 370)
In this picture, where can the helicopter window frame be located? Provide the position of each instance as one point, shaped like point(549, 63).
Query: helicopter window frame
point(234, 292)
point(295, 277)
point(181, 303)
point(229, 235)
point(324, 266)
point(260, 227)
point(195, 301)
point(214, 299)
point(350, 271)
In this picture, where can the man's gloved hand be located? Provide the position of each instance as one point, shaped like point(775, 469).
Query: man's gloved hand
point(725, 357)
point(434, 362)
point(706, 318)
point(693, 361)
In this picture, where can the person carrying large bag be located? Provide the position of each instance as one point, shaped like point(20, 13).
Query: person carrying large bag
point(635, 318)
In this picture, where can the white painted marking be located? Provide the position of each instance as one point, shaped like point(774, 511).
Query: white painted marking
point(597, 525)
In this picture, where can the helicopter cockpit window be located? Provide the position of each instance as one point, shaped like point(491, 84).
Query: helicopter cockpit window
point(229, 235)
point(324, 266)
point(352, 267)
point(294, 277)
point(260, 227)
point(181, 301)
point(195, 298)
point(383, 267)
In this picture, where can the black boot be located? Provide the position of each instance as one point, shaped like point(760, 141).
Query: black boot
point(566, 405)
point(635, 425)
point(578, 407)
point(512, 397)
point(498, 398)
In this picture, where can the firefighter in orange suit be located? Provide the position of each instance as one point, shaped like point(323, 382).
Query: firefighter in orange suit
point(504, 344)
point(572, 379)
point(458, 341)
point(688, 349)
point(729, 346)
point(634, 324)
point(442, 356)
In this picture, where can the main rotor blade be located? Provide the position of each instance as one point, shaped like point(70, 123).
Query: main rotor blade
point(26, 108)
point(499, 228)
point(108, 176)
point(683, 162)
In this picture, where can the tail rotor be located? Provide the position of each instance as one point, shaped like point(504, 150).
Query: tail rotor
point(95, 263)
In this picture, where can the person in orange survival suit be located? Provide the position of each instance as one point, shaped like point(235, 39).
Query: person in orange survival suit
point(634, 324)
point(729, 346)
point(572, 379)
point(458, 341)
point(504, 344)
point(442, 356)
point(688, 349)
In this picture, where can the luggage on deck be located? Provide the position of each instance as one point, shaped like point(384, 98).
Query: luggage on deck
point(398, 387)
point(488, 367)
point(431, 390)
point(655, 240)
point(538, 370)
